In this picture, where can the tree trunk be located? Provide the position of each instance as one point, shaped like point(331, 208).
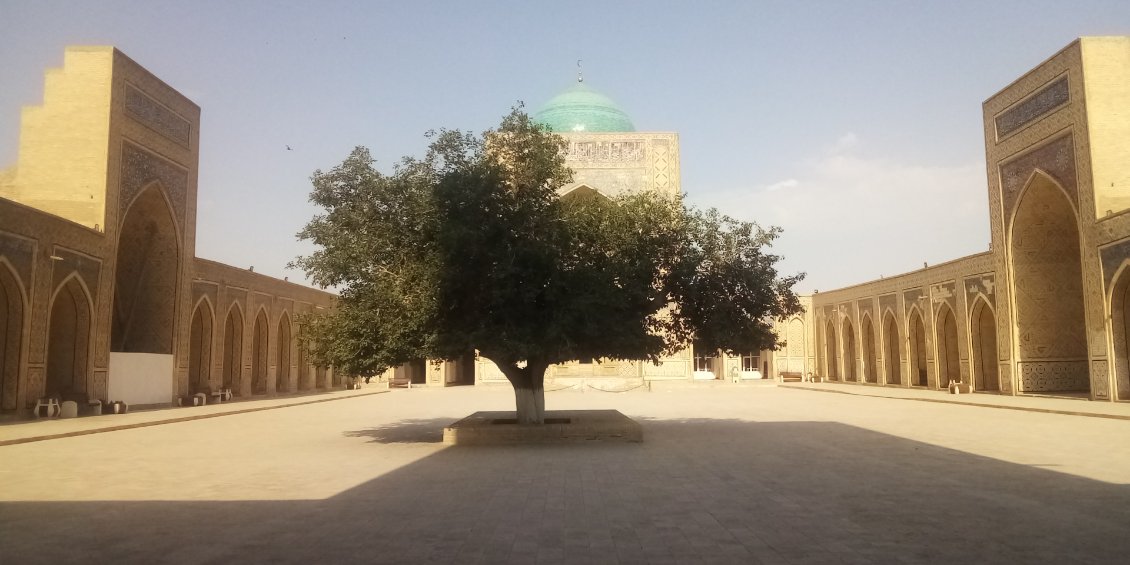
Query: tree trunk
point(529, 390)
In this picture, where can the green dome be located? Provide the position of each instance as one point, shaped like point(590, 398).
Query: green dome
point(581, 108)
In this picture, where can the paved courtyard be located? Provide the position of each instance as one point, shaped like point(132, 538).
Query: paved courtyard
point(725, 475)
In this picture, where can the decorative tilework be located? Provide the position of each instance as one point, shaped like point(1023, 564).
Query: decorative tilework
point(1042, 102)
point(20, 253)
point(888, 301)
point(157, 117)
point(588, 152)
point(1056, 158)
point(139, 169)
point(88, 268)
point(1112, 258)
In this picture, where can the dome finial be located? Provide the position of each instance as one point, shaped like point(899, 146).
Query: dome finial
point(580, 77)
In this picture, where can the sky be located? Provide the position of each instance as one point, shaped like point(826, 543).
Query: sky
point(855, 126)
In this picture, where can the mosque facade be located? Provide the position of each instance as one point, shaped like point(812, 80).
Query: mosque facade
point(1046, 309)
point(102, 296)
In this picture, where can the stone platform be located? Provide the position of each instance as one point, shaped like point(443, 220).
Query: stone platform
point(561, 426)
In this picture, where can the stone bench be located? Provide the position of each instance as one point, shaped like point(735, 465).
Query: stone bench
point(794, 376)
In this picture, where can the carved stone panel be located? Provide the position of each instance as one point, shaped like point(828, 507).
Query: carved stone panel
point(1059, 376)
point(1100, 379)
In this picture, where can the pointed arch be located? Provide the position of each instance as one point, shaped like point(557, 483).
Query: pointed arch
point(200, 346)
point(831, 353)
point(282, 354)
point(1118, 300)
point(870, 358)
point(13, 305)
point(891, 350)
point(301, 362)
point(68, 338)
point(580, 190)
point(259, 335)
point(949, 351)
point(848, 335)
point(983, 330)
point(916, 352)
point(1046, 275)
point(146, 275)
point(233, 349)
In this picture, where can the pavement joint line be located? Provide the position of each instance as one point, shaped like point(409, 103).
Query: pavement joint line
point(962, 403)
point(76, 433)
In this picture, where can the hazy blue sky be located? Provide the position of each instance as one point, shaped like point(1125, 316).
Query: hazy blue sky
point(856, 126)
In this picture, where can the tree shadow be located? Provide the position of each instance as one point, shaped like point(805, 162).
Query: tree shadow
point(406, 431)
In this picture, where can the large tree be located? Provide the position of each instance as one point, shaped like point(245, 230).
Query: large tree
point(472, 249)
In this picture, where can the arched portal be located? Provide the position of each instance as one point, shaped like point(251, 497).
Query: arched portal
point(233, 350)
point(949, 364)
point(891, 350)
point(1047, 279)
point(303, 376)
point(918, 376)
point(832, 353)
point(259, 355)
point(282, 356)
point(320, 377)
point(11, 337)
point(870, 369)
point(849, 352)
point(984, 329)
point(145, 277)
point(1120, 332)
point(68, 340)
point(200, 348)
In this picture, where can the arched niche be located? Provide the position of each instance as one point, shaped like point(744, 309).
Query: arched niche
point(68, 339)
point(870, 369)
point(259, 354)
point(832, 352)
point(917, 338)
point(200, 347)
point(305, 382)
point(145, 276)
point(11, 336)
point(282, 355)
point(1047, 285)
point(849, 352)
point(891, 341)
point(949, 353)
point(1120, 331)
point(983, 326)
point(233, 350)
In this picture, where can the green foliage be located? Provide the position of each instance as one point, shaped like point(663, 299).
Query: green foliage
point(471, 248)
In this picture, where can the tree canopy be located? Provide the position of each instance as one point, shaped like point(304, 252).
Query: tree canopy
point(472, 248)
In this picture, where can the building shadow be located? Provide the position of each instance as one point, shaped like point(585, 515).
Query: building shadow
point(697, 490)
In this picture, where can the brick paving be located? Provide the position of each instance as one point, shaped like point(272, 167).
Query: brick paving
point(725, 475)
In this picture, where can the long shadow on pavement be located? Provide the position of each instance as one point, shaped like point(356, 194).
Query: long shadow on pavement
point(696, 491)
